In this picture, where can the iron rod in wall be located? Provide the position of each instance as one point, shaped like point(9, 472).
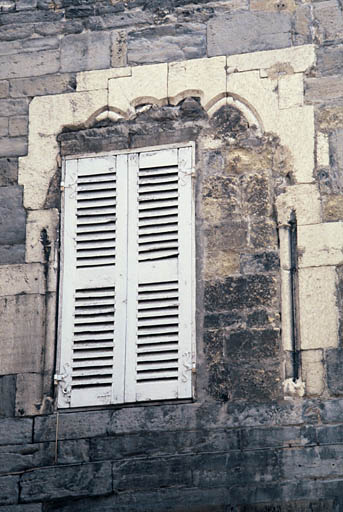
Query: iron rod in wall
point(293, 279)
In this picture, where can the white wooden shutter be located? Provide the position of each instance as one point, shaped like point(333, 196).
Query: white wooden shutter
point(161, 268)
point(91, 311)
point(127, 300)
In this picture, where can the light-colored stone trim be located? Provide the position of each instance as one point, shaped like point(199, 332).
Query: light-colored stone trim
point(240, 79)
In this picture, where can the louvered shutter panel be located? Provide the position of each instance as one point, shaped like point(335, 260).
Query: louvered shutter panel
point(93, 294)
point(161, 266)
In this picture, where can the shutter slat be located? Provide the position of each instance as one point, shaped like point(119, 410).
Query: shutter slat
point(149, 216)
point(91, 354)
point(153, 305)
point(99, 178)
point(157, 375)
point(87, 212)
point(157, 255)
point(164, 347)
point(151, 205)
point(156, 338)
point(152, 356)
point(88, 186)
point(96, 203)
point(96, 362)
point(152, 172)
point(152, 321)
point(166, 227)
point(94, 345)
point(164, 180)
point(158, 365)
point(91, 220)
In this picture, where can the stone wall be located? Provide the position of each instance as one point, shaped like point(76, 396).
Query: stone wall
point(268, 130)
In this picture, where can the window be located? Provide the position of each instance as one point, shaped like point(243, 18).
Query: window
point(126, 320)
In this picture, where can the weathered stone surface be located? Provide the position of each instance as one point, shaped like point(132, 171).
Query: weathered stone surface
point(7, 394)
point(4, 89)
point(21, 279)
point(321, 89)
point(329, 434)
point(71, 452)
point(263, 234)
point(334, 359)
point(118, 49)
point(328, 16)
point(32, 16)
point(59, 482)
point(15, 458)
point(11, 32)
point(113, 21)
point(12, 215)
point(23, 5)
point(153, 473)
point(174, 417)
point(8, 171)
point(330, 411)
point(211, 473)
point(29, 64)
point(22, 341)
point(252, 344)
point(144, 444)
point(51, 84)
point(58, 27)
point(13, 146)
point(329, 60)
point(269, 5)
point(332, 208)
point(18, 126)
point(86, 51)
point(313, 372)
point(9, 490)
point(261, 262)
point(291, 91)
point(217, 320)
point(34, 44)
point(165, 44)
point(318, 308)
point(28, 394)
point(312, 462)
point(197, 499)
point(247, 32)
point(320, 244)
point(260, 381)
point(303, 33)
point(15, 431)
point(3, 126)
point(72, 426)
point(241, 292)
point(278, 437)
point(34, 507)
point(42, 227)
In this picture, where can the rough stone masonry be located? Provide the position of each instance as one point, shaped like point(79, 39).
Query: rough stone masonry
point(257, 86)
